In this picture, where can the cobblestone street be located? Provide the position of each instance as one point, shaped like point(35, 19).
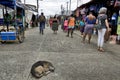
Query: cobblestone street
point(72, 59)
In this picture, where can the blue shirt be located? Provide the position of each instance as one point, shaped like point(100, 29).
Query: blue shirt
point(90, 21)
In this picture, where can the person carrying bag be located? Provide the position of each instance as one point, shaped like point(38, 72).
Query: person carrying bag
point(103, 26)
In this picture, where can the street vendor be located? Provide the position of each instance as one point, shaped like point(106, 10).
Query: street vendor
point(17, 20)
point(7, 19)
point(19, 17)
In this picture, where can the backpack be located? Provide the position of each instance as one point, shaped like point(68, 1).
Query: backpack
point(99, 25)
point(82, 24)
point(41, 18)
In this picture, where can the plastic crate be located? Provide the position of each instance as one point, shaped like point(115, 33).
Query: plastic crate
point(6, 36)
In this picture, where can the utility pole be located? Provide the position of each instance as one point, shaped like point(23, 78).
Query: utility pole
point(37, 6)
point(24, 2)
point(67, 8)
point(24, 20)
point(77, 3)
point(24, 5)
point(24, 13)
point(61, 8)
point(70, 7)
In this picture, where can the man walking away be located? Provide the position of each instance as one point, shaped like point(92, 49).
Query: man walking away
point(42, 21)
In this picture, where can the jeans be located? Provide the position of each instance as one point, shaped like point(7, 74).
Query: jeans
point(42, 27)
point(101, 34)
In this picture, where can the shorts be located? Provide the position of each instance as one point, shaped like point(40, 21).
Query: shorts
point(70, 27)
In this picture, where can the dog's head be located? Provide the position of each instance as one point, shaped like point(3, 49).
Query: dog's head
point(51, 68)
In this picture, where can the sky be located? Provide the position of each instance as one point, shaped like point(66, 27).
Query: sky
point(52, 7)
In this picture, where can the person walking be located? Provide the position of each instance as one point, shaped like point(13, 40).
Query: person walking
point(7, 19)
point(71, 25)
point(90, 20)
point(66, 25)
point(42, 21)
point(114, 23)
point(50, 22)
point(103, 21)
point(55, 24)
point(82, 25)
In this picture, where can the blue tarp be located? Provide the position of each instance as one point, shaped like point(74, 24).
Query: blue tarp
point(11, 3)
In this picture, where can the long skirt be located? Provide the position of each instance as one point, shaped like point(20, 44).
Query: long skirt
point(55, 26)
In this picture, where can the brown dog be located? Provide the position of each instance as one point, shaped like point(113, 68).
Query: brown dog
point(41, 68)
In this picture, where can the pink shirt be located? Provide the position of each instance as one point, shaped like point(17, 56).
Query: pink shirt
point(66, 23)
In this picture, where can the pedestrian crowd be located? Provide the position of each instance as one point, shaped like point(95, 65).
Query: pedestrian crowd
point(88, 26)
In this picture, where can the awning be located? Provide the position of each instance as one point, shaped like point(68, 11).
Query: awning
point(11, 3)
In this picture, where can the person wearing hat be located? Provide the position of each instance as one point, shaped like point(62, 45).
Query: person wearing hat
point(103, 21)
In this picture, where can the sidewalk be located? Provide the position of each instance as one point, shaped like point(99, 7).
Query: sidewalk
point(111, 48)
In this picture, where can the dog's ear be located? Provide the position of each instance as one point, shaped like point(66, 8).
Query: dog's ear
point(52, 69)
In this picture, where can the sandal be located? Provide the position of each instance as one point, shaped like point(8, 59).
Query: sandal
point(101, 50)
point(98, 49)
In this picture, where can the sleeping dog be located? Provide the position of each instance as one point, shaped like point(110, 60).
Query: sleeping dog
point(41, 68)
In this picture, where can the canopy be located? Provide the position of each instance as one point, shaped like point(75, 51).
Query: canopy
point(11, 3)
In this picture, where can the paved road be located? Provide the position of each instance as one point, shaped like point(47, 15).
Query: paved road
point(72, 59)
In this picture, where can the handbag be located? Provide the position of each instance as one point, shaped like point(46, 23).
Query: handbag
point(98, 26)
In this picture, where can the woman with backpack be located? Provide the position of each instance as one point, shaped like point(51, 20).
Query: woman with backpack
point(103, 21)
